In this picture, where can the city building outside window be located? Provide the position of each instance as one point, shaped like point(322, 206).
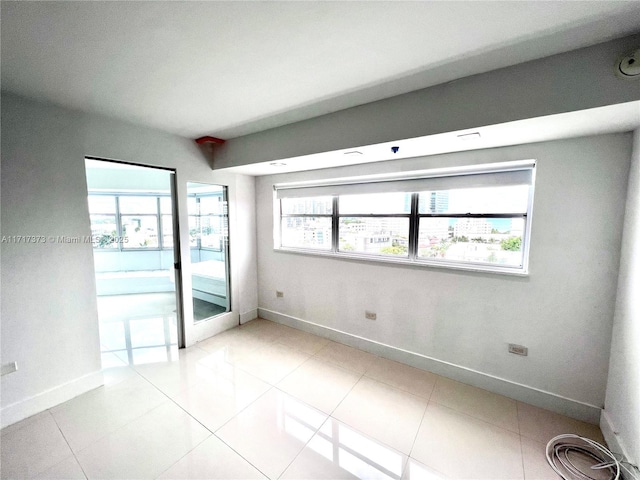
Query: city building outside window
point(477, 218)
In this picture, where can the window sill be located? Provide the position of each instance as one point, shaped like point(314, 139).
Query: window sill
point(448, 265)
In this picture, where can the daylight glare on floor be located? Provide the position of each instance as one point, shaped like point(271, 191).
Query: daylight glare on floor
point(265, 400)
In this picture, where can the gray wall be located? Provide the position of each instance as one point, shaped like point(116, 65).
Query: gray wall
point(622, 403)
point(49, 313)
point(562, 311)
point(567, 82)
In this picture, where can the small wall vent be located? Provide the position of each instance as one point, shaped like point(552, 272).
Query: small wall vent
point(628, 65)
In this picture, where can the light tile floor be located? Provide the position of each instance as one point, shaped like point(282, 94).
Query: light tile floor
point(267, 401)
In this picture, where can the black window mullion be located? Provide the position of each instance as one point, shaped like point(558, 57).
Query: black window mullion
point(198, 224)
point(119, 230)
point(414, 220)
point(280, 225)
point(473, 215)
point(404, 215)
point(304, 215)
point(159, 223)
point(335, 225)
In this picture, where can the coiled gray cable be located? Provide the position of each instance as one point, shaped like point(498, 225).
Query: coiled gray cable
point(559, 448)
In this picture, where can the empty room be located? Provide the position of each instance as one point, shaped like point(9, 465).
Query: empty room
point(320, 240)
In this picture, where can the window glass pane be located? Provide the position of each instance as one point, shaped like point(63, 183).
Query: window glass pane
point(141, 231)
point(378, 236)
point(477, 240)
point(211, 204)
point(102, 204)
point(138, 204)
point(511, 199)
point(194, 230)
point(306, 232)
point(308, 206)
point(165, 205)
point(376, 203)
point(192, 205)
point(167, 241)
point(104, 231)
point(211, 232)
point(167, 231)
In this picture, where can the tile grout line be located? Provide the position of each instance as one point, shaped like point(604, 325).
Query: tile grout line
point(475, 418)
point(345, 396)
point(212, 433)
point(400, 388)
point(239, 454)
point(329, 416)
point(70, 449)
point(522, 457)
point(415, 437)
point(271, 387)
point(111, 431)
point(187, 453)
point(304, 446)
point(424, 414)
point(524, 473)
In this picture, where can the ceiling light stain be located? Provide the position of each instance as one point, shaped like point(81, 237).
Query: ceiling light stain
point(469, 136)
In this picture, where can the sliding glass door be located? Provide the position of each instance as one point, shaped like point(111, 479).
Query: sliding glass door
point(135, 250)
point(209, 246)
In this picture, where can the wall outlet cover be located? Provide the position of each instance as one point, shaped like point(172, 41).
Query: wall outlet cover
point(9, 368)
point(518, 349)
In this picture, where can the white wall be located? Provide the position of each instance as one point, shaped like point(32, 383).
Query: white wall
point(49, 313)
point(622, 403)
point(562, 311)
point(567, 82)
point(48, 289)
point(245, 255)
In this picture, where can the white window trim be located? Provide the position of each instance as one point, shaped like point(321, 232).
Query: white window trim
point(410, 177)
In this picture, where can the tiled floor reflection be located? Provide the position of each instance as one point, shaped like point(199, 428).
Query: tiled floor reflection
point(339, 451)
point(138, 328)
point(266, 401)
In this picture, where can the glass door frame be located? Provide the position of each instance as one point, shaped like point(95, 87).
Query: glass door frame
point(225, 244)
point(203, 329)
point(177, 263)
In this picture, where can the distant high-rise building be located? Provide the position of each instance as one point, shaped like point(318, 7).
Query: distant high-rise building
point(438, 202)
point(471, 226)
point(430, 202)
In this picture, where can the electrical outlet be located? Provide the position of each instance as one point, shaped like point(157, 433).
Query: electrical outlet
point(370, 315)
point(518, 349)
point(9, 368)
point(279, 294)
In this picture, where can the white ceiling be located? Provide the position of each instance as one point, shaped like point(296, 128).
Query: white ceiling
point(231, 68)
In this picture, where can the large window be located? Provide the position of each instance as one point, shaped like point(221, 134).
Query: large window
point(375, 223)
point(207, 221)
point(131, 222)
point(473, 218)
point(306, 222)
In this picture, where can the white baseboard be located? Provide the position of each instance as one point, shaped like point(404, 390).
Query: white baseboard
point(50, 398)
point(616, 444)
point(248, 316)
point(531, 395)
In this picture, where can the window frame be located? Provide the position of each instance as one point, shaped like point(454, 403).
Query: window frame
point(222, 219)
point(413, 258)
point(281, 216)
point(122, 246)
